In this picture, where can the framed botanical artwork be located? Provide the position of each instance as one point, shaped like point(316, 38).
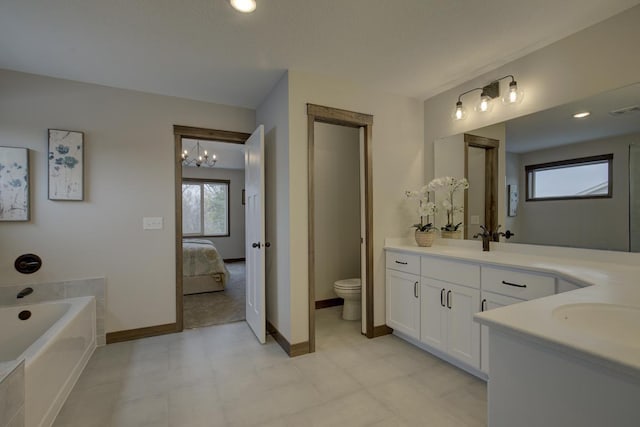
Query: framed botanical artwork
point(66, 165)
point(14, 184)
point(513, 200)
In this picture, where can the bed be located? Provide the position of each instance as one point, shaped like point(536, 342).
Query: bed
point(203, 269)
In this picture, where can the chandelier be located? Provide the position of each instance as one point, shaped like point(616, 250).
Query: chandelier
point(197, 158)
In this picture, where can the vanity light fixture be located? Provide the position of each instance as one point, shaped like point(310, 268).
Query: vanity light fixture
point(198, 159)
point(487, 93)
point(244, 6)
point(581, 115)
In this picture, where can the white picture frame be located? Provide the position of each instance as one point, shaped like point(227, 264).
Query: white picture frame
point(66, 165)
point(14, 184)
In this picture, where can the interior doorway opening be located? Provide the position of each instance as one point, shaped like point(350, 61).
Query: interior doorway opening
point(362, 123)
point(210, 228)
point(481, 170)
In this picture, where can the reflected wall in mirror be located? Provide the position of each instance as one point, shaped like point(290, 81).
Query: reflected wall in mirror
point(552, 136)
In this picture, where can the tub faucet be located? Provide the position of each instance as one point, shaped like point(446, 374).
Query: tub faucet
point(488, 235)
point(23, 293)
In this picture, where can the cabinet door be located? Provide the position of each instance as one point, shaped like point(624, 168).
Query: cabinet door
point(433, 313)
point(463, 334)
point(489, 302)
point(403, 302)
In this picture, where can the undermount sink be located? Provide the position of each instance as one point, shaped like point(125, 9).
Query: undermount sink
point(611, 322)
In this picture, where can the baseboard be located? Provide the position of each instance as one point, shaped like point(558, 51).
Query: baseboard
point(292, 350)
point(231, 260)
point(381, 330)
point(134, 334)
point(331, 302)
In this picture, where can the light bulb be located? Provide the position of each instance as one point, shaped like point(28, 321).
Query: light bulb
point(513, 95)
point(485, 104)
point(214, 157)
point(245, 6)
point(205, 153)
point(460, 112)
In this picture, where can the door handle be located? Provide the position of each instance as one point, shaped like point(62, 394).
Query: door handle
point(442, 297)
point(449, 300)
point(415, 289)
point(256, 245)
point(483, 305)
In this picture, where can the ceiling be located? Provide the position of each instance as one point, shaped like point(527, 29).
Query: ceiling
point(205, 50)
point(556, 126)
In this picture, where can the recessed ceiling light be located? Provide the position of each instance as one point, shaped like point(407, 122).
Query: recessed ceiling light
point(581, 115)
point(245, 6)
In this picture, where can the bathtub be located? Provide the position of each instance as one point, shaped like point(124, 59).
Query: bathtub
point(56, 340)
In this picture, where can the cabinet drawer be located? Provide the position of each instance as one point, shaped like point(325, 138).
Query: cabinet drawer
point(517, 283)
point(403, 262)
point(461, 273)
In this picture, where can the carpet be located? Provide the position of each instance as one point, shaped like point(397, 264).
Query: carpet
point(214, 308)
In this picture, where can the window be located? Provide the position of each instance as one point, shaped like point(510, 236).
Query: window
point(584, 178)
point(205, 208)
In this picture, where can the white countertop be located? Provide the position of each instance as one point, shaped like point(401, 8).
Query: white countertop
point(612, 281)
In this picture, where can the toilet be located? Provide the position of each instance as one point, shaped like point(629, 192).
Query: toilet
point(350, 291)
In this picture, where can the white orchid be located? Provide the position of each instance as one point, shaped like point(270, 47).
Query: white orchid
point(426, 207)
point(450, 185)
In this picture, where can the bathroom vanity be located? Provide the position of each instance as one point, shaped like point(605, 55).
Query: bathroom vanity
point(556, 331)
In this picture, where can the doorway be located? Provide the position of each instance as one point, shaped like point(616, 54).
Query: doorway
point(481, 170)
point(206, 283)
point(364, 123)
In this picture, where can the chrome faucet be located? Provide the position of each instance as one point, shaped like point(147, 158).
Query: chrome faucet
point(23, 293)
point(488, 235)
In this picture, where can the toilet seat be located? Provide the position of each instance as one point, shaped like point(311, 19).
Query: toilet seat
point(348, 284)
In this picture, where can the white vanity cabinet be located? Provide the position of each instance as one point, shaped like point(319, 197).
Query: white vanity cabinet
point(447, 309)
point(403, 293)
point(489, 301)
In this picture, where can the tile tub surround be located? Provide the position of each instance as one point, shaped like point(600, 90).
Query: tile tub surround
point(608, 277)
point(221, 376)
point(61, 290)
point(12, 394)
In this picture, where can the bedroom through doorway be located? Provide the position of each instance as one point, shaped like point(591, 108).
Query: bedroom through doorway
point(212, 238)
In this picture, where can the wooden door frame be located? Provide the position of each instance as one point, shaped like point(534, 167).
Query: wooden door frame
point(491, 179)
point(180, 132)
point(335, 116)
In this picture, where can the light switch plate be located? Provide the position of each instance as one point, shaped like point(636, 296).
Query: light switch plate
point(474, 219)
point(152, 223)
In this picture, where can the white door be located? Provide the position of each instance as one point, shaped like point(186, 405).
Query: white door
point(433, 313)
point(254, 233)
point(403, 302)
point(463, 334)
point(489, 302)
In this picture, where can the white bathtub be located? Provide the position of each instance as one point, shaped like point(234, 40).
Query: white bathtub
point(56, 342)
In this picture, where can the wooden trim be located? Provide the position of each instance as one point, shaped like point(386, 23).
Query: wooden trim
point(322, 114)
point(232, 260)
point(491, 180)
point(565, 163)
point(211, 134)
point(381, 330)
point(178, 228)
point(311, 230)
point(180, 132)
point(134, 334)
point(292, 350)
point(331, 302)
point(340, 117)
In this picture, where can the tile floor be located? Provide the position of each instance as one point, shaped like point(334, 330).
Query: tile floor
point(221, 376)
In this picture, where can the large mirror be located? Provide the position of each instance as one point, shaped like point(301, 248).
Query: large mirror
point(561, 180)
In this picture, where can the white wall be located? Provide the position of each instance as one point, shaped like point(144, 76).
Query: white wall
point(129, 173)
point(273, 113)
point(337, 206)
point(232, 246)
point(589, 62)
point(512, 168)
point(589, 223)
point(397, 151)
